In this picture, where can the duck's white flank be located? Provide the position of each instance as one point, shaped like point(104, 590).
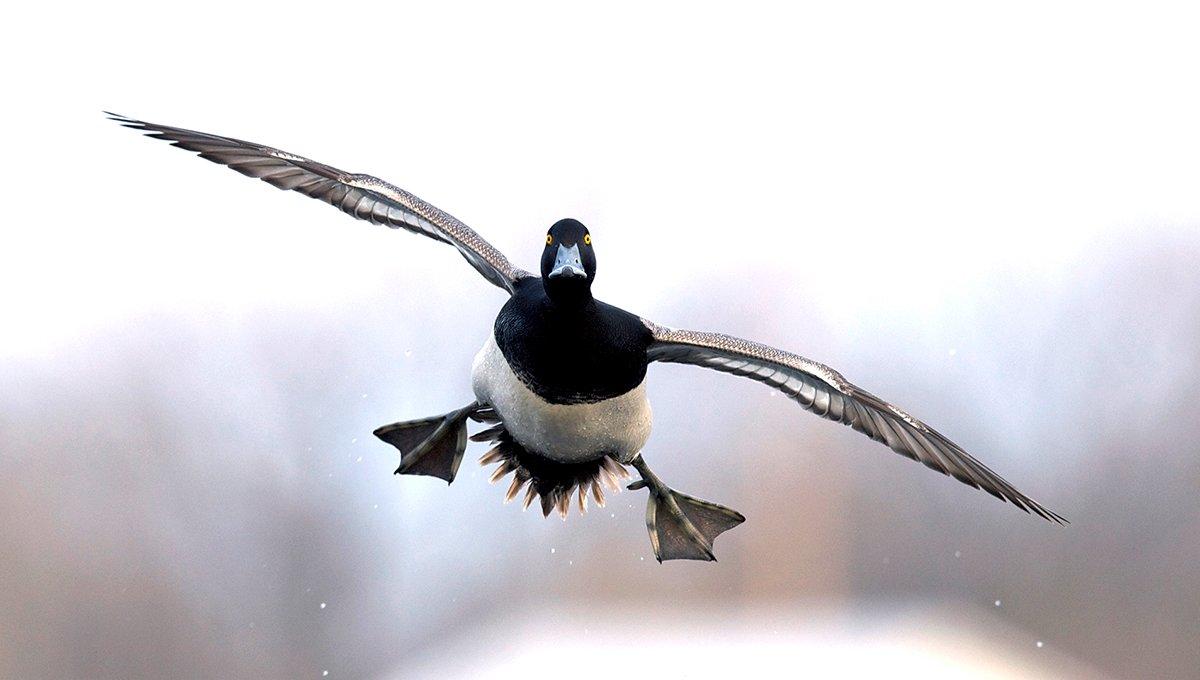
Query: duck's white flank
point(566, 433)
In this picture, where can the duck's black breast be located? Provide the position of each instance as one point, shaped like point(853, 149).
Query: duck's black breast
point(571, 356)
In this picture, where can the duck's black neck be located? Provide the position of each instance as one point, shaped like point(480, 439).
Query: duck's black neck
point(569, 295)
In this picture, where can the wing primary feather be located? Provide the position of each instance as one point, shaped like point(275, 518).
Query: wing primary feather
point(825, 392)
point(361, 196)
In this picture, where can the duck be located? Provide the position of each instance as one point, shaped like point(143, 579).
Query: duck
point(560, 382)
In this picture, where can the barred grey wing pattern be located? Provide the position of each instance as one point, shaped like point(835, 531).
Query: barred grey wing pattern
point(825, 392)
point(361, 196)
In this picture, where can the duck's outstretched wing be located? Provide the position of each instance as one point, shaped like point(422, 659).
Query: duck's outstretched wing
point(362, 196)
point(825, 392)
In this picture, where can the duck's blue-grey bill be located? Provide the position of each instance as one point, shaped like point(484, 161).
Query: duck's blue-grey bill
point(567, 263)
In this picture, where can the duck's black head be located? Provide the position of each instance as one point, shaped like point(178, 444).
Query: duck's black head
point(568, 263)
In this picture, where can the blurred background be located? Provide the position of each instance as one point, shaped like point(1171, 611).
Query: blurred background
point(987, 216)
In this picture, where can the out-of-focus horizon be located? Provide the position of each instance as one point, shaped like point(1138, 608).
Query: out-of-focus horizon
point(989, 219)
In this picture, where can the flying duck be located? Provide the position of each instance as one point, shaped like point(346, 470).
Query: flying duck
point(561, 379)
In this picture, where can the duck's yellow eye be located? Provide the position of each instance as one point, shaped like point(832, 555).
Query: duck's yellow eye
point(587, 239)
point(549, 239)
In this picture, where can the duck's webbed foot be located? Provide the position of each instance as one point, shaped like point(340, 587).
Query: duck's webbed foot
point(681, 527)
point(432, 446)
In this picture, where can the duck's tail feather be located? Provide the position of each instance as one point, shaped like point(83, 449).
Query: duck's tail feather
point(550, 482)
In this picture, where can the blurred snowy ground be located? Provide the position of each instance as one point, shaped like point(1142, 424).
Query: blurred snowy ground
point(799, 639)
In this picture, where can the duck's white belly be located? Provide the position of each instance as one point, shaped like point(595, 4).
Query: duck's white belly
point(567, 433)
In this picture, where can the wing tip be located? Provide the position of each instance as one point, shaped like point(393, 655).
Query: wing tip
point(1052, 516)
point(126, 121)
point(1032, 507)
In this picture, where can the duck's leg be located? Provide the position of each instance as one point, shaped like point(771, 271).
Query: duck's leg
point(681, 527)
point(432, 446)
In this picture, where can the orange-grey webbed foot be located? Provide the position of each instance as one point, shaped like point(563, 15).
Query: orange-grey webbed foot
point(681, 527)
point(431, 446)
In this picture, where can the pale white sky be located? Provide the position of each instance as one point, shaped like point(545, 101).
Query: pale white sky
point(878, 156)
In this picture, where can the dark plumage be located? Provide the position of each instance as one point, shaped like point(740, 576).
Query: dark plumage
point(604, 346)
